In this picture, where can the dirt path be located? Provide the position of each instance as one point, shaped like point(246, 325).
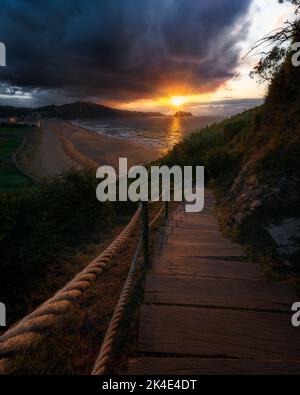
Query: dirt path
point(207, 310)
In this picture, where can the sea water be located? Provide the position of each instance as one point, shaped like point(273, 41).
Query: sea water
point(155, 132)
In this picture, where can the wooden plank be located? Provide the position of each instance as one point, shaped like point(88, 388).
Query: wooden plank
point(205, 267)
point(196, 216)
point(175, 226)
point(222, 293)
point(192, 233)
point(199, 220)
point(200, 238)
point(209, 193)
point(206, 211)
point(208, 199)
point(187, 225)
point(217, 332)
point(204, 250)
point(195, 244)
point(191, 244)
point(206, 238)
point(207, 366)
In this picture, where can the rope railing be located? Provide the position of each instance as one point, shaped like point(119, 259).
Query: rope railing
point(106, 350)
point(155, 219)
point(31, 329)
point(110, 335)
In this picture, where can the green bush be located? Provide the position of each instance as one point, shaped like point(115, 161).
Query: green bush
point(40, 222)
point(219, 147)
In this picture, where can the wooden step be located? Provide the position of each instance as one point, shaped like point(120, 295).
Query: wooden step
point(218, 333)
point(205, 267)
point(195, 218)
point(208, 366)
point(191, 244)
point(204, 250)
point(200, 238)
point(201, 220)
point(177, 228)
point(208, 202)
point(207, 213)
point(227, 293)
point(187, 225)
point(209, 210)
point(192, 234)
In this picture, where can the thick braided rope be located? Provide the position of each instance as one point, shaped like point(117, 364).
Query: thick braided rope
point(110, 335)
point(30, 329)
point(107, 345)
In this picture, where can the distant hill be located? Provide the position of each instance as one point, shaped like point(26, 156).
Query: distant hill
point(79, 110)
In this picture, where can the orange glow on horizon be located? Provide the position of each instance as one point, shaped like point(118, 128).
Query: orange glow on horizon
point(165, 103)
point(178, 101)
point(186, 102)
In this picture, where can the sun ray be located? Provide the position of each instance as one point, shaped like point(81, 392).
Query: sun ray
point(178, 101)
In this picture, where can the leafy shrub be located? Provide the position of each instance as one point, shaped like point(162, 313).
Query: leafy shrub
point(38, 223)
point(221, 148)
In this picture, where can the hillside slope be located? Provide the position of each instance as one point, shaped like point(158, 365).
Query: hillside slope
point(79, 110)
point(253, 160)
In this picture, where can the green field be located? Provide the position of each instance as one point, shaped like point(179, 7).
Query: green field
point(10, 177)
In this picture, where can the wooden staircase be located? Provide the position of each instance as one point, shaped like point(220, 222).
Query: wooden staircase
point(207, 310)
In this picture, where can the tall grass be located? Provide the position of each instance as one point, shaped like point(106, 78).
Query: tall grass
point(11, 137)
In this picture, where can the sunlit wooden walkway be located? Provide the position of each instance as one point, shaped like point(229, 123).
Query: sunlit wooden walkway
point(207, 310)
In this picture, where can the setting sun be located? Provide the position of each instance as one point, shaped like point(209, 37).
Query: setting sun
point(177, 101)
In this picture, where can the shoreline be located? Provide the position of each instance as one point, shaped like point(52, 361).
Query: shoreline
point(101, 149)
point(89, 129)
point(63, 145)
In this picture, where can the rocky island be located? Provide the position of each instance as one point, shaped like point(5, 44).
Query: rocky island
point(180, 114)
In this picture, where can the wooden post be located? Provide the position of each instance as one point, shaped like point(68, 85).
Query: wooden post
point(166, 210)
point(146, 232)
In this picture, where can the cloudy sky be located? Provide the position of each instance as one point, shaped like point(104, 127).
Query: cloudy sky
point(135, 54)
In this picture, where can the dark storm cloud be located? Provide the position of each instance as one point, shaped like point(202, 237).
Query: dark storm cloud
point(119, 49)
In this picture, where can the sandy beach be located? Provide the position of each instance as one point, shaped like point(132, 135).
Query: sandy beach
point(61, 145)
